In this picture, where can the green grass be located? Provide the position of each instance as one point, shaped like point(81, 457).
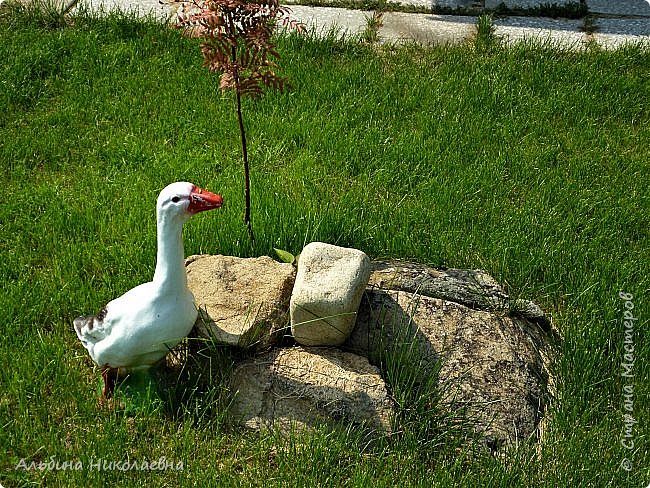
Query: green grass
point(529, 162)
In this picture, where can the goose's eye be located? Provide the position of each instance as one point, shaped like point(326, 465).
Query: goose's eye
point(176, 199)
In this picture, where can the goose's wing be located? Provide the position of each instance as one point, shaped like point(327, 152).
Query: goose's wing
point(113, 317)
point(91, 328)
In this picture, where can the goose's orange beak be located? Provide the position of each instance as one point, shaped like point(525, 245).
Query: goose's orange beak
point(202, 200)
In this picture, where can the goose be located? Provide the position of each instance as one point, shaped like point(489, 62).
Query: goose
point(136, 330)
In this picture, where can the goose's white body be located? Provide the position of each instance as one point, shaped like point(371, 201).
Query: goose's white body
point(137, 329)
point(140, 327)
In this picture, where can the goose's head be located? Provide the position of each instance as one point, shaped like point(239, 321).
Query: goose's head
point(182, 200)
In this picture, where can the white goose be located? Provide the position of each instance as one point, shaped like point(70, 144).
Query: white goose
point(136, 330)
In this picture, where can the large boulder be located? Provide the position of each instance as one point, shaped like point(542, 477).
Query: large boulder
point(307, 387)
point(489, 365)
point(242, 301)
point(471, 287)
point(328, 288)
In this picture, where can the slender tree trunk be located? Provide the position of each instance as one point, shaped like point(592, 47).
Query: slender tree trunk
point(247, 180)
point(244, 149)
point(69, 6)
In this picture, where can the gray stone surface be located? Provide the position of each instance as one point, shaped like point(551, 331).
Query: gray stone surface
point(491, 4)
point(416, 3)
point(491, 367)
point(614, 33)
point(619, 7)
point(326, 20)
point(455, 3)
point(628, 26)
point(563, 33)
point(242, 302)
point(326, 295)
point(143, 8)
point(299, 387)
point(473, 288)
point(401, 27)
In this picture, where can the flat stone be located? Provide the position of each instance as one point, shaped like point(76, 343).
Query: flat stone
point(326, 295)
point(323, 21)
point(309, 387)
point(242, 301)
point(490, 366)
point(614, 33)
point(399, 27)
point(473, 288)
point(619, 7)
point(562, 33)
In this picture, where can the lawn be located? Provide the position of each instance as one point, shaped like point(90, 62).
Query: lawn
point(529, 162)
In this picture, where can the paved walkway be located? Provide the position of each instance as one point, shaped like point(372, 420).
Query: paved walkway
point(610, 26)
point(609, 23)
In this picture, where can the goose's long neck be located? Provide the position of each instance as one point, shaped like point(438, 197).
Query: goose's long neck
point(170, 258)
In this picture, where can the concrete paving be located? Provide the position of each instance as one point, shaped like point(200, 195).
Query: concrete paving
point(612, 23)
point(620, 7)
point(400, 27)
point(454, 3)
point(524, 3)
point(614, 33)
point(324, 21)
point(562, 33)
point(140, 7)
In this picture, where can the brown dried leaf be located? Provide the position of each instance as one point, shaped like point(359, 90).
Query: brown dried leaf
point(238, 40)
point(226, 82)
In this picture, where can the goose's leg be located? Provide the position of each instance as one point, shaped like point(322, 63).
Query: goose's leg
point(109, 375)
